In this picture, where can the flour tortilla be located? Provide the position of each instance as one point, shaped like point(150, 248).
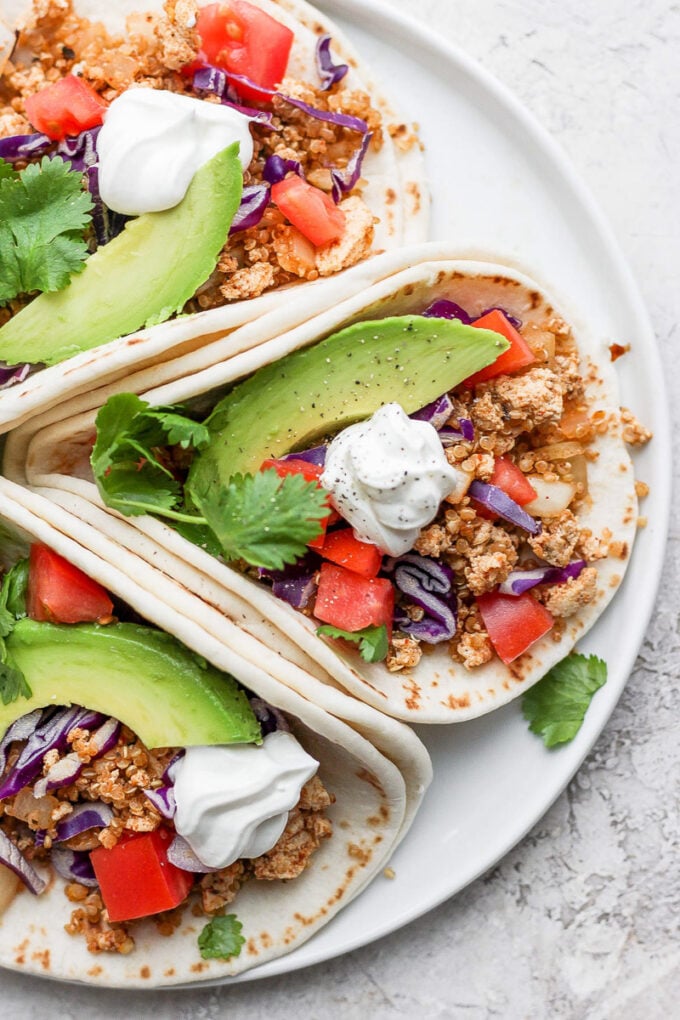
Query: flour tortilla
point(394, 190)
point(438, 690)
point(377, 769)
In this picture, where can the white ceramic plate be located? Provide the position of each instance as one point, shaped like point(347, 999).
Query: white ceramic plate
point(513, 191)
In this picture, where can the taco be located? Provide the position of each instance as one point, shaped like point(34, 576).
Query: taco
point(519, 511)
point(183, 169)
point(118, 835)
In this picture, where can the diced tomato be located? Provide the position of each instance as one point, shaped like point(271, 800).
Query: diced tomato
point(311, 473)
point(67, 107)
point(243, 39)
point(136, 878)
point(347, 600)
point(58, 592)
point(311, 210)
point(343, 548)
point(294, 466)
point(513, 622)
point(508, 477)
point(518, 354)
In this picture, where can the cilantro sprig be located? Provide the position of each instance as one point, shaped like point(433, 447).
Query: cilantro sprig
point(260, 518)
point(555, 707)
point(221, 938)
point(43, 214)
point(372, 641)
point(13, 683)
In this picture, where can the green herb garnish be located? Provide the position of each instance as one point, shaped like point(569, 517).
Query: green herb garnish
point(43, 214)
point(13, 683)
point(221, 938)
point(556, 706)
point(372, 641)
point(262, 518)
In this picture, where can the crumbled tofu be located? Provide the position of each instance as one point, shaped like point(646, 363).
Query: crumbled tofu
point(566, 599)
point(355, 243)
point(557, 540)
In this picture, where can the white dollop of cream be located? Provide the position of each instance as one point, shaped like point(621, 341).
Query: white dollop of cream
point(233, 800)
point(387, 477)
point(152, 143)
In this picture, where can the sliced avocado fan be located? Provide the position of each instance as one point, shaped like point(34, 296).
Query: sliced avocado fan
point(140, 278)
point(311, 394)
point(165, 693)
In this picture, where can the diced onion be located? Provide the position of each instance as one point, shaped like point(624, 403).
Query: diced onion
point(551, 497)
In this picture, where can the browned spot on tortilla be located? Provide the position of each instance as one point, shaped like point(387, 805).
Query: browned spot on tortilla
point(362, 854)
point(289, 936)
point(95, 971)
point(198, 968)
point(42, 957)
point(368, 777)
point(506, 685)
point(408, 289)
point(145, 972)
point(617, 351)
point(614, 580)
point(414, 191)
point(453, 702)
point(382, 816)
point(251, 948)
point(535, 299)
point(344, 824)
point(20, 950)
point(266, 939)
point(412, 692)
point(391, 196)
point(169, 972)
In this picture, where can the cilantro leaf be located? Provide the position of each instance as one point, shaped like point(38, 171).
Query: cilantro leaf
point(126, 459)
point(221, 938)
point(372, 641)
point(262, 518)
point(556, 706)
point(7, 170)
point(43, 213)
point(12, 682)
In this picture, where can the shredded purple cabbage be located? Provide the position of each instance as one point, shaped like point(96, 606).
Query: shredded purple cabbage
point(316, 455)
point(445, 309)
point(73, 866)
point(276, 168)
point(517, 323)
point(163, 799)
point(344, 180)
point(296, 583)
point(214, 79)
point(428, 584)
point(519, 581)
point(437, 413)
point(254, 201)
point(13, 374)
point(465, 432)
point(498, 501)
point(90, 815)
point(329, 72)
point(18, 147)
point(13, 859)
point(270, 718)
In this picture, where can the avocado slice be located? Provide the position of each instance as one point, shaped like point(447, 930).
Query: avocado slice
point(312, 393)
point(164, 692)
point(139, 278)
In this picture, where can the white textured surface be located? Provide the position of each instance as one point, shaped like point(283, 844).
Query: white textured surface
point(581, 919)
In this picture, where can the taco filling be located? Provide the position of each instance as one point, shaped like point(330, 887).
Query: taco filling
point(134, 827)
point(396, 516)
point(172, 170)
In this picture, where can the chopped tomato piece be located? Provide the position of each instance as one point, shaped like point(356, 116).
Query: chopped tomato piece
point(67, 107)
point(243, 39)
point(518, 354)
point(309, 209)
point(311, 473)
point(58, 592)
point(513, 622)
point(136, 878)
point(347, 600)
point(343, 548)
point(508, 477)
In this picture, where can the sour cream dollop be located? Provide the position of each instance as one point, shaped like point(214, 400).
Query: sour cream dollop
point(233, 801)
point(152, 143)
point(387, 477)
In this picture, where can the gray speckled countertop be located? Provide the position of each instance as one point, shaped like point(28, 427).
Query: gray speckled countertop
point(581, 919)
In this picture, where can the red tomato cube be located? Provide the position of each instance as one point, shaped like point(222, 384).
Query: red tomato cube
point(58, 592)
point(311, 210)
point(343, 548)
point(67, 107)
point(513, 622)
point(136, 878)
point(351, 602)
point(518, 354)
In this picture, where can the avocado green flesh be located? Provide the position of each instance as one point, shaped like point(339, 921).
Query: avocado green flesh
point(139, 278)
point(313, 393)
point(143, 677)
